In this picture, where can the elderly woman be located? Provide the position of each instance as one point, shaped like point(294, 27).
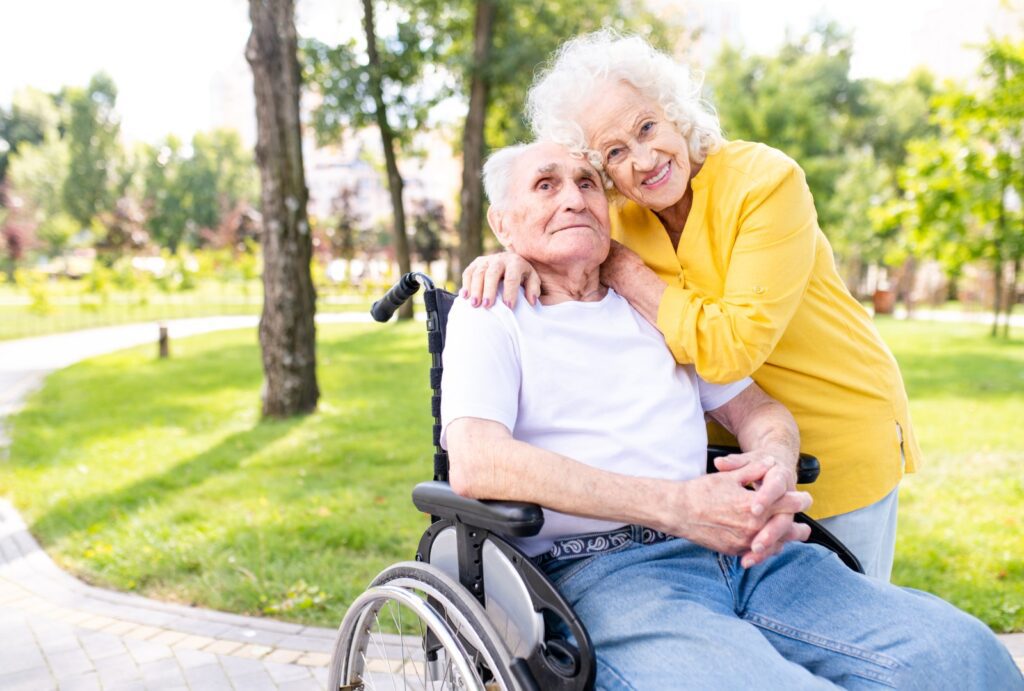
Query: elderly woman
point(718, 246)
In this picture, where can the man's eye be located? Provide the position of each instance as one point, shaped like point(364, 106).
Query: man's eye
point(587, 184)
point(544, 185)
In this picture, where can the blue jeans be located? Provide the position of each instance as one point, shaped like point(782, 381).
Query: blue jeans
point(675, 615)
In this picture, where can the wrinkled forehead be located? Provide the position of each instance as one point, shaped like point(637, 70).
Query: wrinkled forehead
point(542, 160)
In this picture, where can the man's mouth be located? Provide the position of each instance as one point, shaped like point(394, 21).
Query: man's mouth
point(659, 176)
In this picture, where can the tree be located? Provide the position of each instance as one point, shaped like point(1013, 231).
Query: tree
point(91, 130)
point(386, 89)
point(964, 186)
point(287, 330)
point(32, 115)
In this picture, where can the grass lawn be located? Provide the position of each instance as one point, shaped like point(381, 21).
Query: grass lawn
point(158, 477)
point(69, 307)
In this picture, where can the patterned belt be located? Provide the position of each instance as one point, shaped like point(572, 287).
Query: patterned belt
point(580, 546)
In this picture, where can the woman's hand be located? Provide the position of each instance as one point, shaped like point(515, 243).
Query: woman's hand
point(481, 278)
point(625, 272)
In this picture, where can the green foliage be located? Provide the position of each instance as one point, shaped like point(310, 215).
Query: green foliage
point(801, 101)
point(91, 129)
point(32, 116)
point(187, 190)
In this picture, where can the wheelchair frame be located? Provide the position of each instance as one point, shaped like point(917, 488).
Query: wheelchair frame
point(477, 581)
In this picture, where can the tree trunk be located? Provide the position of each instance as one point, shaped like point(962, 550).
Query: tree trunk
point(1011, 298)
point(473, 145)
point(395, 182)
point(287, 331)
point(997, 294)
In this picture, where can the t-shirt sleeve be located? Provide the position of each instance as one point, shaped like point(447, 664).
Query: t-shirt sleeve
point(481, 366)
point(714, 396)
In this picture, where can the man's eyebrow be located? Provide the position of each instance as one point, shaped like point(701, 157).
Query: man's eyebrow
point(548, 168)
point(584, 172)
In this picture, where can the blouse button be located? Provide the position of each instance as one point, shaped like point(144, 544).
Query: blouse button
point(759, 290)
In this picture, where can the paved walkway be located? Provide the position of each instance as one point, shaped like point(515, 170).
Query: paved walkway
point(58, 632)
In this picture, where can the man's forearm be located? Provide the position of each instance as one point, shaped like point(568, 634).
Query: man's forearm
point(489, 468)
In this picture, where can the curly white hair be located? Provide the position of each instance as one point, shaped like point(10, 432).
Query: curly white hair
point(575, 74)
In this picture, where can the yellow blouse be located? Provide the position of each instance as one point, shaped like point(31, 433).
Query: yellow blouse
point(753, 290)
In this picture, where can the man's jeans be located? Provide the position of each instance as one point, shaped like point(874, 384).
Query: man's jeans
point(674, 615)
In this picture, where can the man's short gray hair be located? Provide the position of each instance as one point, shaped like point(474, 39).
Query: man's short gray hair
point(498, 173)
point(576, 71)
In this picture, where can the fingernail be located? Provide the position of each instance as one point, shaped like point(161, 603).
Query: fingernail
point(747, 562)
point(464, 293)
point(487, 302)
point(757, 509)
point(476, 302)
point(757, 548)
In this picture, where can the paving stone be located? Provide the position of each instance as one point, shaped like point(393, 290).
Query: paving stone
point(169, 637)
point(143, 632)
point(282, 673)
point(70, 662)
point(117, 668)
point(239, 666)
point(194, 642)
point(194, 658)
point(310, 684)
point(89, 681)
point(252, 651)
point(146, 651)
point(314, 659)
point(222, 647)
point(207, 677)
point(259, 681)
point(160, 674)
point(100, 645)
point(35, 679)
point(305, 643)
point(283, 656)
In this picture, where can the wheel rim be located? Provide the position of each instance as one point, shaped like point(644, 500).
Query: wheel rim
point(372, 661)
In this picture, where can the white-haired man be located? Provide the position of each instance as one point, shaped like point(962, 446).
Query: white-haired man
point(683, 579)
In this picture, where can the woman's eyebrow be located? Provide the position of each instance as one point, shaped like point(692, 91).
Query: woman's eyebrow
point(641, 117)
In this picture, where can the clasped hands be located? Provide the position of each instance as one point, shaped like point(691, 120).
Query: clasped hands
point(746, 509)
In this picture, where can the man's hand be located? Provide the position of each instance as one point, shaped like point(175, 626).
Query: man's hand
point(778, 480)
point(481, 278)
point(718, 511)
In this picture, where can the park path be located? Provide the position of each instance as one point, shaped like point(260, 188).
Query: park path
point(60, 633)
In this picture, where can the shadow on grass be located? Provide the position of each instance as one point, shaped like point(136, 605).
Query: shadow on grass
point(115, 506)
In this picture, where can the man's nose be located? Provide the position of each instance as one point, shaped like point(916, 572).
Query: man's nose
point(572, 198)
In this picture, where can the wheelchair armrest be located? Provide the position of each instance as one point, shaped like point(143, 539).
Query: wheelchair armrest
point(807, 466)
point(506, 518)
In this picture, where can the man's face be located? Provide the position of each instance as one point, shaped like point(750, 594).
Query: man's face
point(556, 212)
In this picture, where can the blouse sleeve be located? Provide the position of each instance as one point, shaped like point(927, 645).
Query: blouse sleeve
point(770, 266)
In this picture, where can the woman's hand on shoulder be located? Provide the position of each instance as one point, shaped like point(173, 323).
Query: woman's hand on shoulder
point(621, 264)
point(481, 278)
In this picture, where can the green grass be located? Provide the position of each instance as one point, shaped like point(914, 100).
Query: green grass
point(961, 520)
point(68, 306)
point(158, 477)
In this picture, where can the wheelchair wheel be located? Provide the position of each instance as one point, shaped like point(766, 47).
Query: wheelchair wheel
point(447, 641)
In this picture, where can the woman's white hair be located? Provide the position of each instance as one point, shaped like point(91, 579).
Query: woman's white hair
point(574, 75)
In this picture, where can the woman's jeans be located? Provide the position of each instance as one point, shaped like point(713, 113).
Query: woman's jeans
point(870, 533)
point(674, 615)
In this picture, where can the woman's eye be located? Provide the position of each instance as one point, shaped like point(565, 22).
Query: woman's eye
point(614, 153)
point(646, 127)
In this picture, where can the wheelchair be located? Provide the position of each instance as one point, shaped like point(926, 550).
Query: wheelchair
point(472, 611)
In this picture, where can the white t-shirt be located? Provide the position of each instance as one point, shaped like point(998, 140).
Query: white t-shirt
point(593, 381)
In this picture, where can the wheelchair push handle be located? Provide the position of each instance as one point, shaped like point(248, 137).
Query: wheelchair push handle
point(404, 289)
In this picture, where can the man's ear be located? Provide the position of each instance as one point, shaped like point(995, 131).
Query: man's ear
point(496, 220)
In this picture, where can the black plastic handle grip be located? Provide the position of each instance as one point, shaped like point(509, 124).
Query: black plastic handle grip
point(400, 292)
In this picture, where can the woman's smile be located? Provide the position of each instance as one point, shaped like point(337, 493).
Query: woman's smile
point(660, 176)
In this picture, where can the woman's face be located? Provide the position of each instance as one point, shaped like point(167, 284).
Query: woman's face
point(642, 150)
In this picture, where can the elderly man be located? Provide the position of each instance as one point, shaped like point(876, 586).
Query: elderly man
point(683, 579)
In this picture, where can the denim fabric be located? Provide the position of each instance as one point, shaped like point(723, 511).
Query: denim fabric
point(674, 615)
point(870, 533)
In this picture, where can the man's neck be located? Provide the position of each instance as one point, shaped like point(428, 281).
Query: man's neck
point(575, 285)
